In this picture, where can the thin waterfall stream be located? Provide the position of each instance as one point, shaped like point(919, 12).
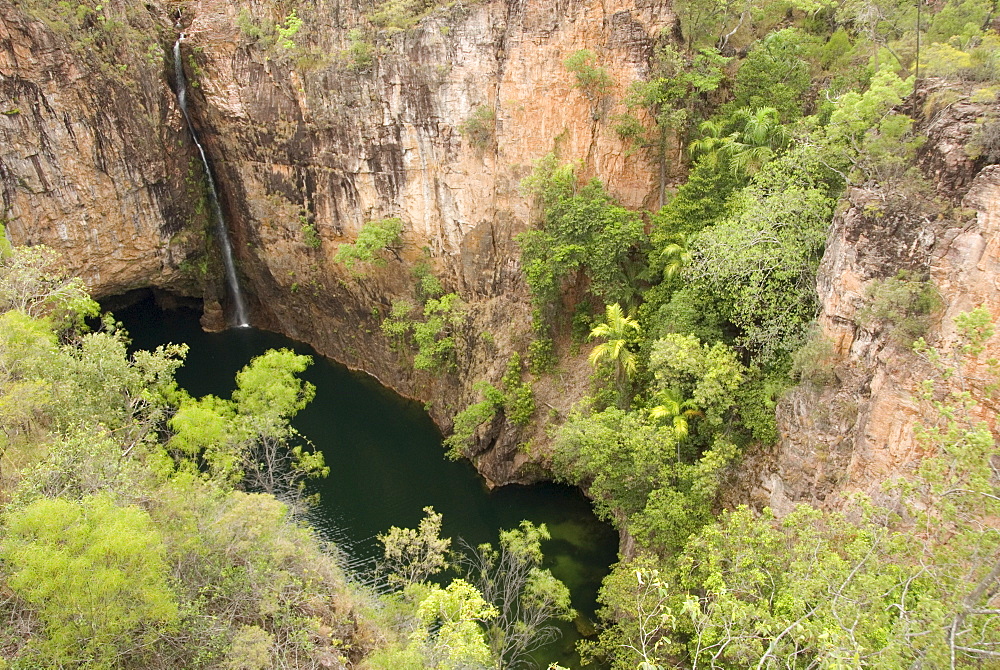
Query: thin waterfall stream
point(239, 304)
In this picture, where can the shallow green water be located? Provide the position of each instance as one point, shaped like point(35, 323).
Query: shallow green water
point(386, 461)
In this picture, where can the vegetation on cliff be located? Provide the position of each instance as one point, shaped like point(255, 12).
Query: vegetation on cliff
point(141, 527)
point(705, 316)
point(702, 314)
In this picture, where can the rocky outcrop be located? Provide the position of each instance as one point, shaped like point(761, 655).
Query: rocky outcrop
point(95, 162)
point(351, 122)
point(311, 138)
point(858, 431)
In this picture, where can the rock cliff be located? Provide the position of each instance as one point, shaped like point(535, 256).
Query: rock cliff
point(95, 162)
point(856, 431)
point(350, 120)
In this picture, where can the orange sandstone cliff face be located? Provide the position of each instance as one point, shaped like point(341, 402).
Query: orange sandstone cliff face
point(857, 432)
point(97, 164)
point(93, 160)
point(308, 137)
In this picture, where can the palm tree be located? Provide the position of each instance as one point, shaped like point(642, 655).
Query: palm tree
point(761, 138)
point(618, 330)
point(758, 139)
point(712, 147)
point(672, 407)
point(677, 254)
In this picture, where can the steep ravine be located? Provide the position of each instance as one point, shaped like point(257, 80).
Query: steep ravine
point(308, 137)
point(97, 162)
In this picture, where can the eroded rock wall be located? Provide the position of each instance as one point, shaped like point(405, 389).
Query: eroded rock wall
point(856, 431)
point(352, 123)
point(94, 159)
point(308, 136)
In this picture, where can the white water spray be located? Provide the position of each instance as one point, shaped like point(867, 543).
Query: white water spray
point(239, 303)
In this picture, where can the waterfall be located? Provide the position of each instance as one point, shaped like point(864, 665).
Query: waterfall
point(220, 219)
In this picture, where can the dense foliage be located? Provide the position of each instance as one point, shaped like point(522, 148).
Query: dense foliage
point(759, 117)
point(129, 535)
point(141, 527)
point(494, 615)
point(700, 321)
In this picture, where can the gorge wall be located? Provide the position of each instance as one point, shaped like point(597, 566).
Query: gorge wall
point(356, 122)
point(857, 430)
point(95, 161)
point(309, 142)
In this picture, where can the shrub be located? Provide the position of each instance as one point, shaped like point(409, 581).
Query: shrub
point(287, 29)
point(398, 324)
point(518, 397)
point(359, 51)
point(592, 79)
point(541, 355)
point(985, 142)
point(583, 234)
point(373, 238)
point(903, 304)
point(434, 336)
point(428, 286)
point(480, 128)
point(515, 397)
point(469, 419)
point(401, 14)
point(311, 236)
point(814, 360)
point(96, 574)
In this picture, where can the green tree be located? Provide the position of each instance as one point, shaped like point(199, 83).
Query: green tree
point(525, 596)
point(451, 629)
point(435, 336)
point(620, 333)
point(249, 439)
point(671, 407)
point(775, 74)
point(411, 555)
point(881, 23)
point(584, 240)
point(908, 584)
point(629, 466)
point(742, 142)
point(761, 137)
point(676, 255)
point(373, 238)
point(708, 375)
point(95, 573)
point(592, 79)
point(676, 97)
point(712, 147)
point(760, 262)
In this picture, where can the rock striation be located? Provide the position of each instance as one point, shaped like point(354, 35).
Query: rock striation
point(346, 123)
point(95, 162)
point(312, 143)
point(856, 432)
point(348, 120)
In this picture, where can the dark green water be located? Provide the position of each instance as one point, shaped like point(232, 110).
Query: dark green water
point(386, 461)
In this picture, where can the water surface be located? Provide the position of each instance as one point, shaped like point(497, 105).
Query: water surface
point(386, 461)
